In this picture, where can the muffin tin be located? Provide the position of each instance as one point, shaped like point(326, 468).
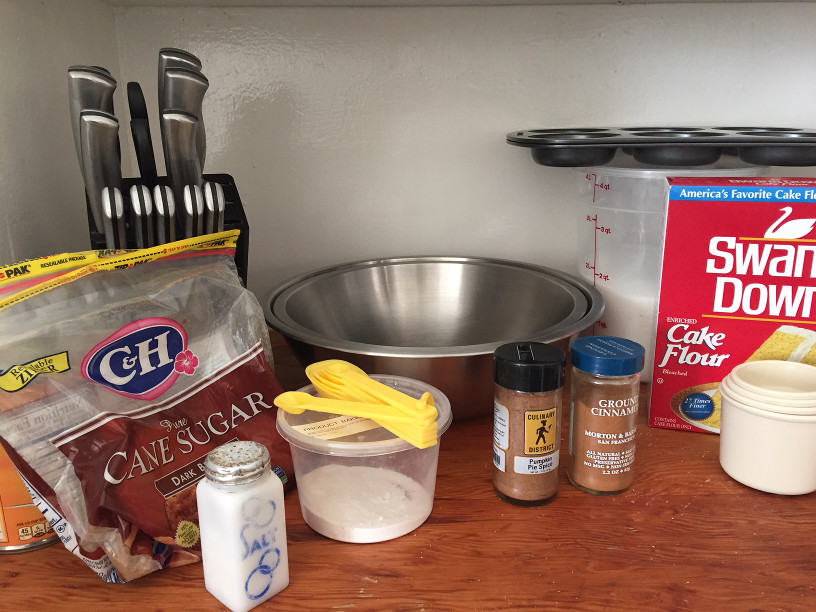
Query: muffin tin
point(669, 146)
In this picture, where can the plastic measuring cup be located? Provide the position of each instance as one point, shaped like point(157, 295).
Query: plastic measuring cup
point(621, 230)
point(768, 432)
point(352, 392)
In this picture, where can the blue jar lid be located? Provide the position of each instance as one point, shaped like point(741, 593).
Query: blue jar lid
point(608, 355)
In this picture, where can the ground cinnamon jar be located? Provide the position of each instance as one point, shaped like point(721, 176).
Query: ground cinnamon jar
point(529, 377)
point(605, 389)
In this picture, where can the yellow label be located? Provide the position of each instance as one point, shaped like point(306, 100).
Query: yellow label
point(48, 272)
point(17, 377)
point(187, 534)
point(540, 431)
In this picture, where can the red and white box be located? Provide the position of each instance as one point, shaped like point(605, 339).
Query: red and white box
point(738, 284)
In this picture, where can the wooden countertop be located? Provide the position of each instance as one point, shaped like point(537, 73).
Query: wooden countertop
point(685, 536)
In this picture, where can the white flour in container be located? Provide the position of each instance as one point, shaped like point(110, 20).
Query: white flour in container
point(361, 503)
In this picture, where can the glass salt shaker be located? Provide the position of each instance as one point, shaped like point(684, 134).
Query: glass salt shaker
point(243, 529)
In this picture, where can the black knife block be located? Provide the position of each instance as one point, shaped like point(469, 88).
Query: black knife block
point(234, 218)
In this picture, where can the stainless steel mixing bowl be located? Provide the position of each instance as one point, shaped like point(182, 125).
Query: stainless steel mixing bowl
point(435, 319)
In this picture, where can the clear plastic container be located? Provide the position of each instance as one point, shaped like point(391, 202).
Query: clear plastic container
point(620, 249)
point(357, 481)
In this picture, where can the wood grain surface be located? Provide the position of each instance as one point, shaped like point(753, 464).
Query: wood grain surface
point(684, 537)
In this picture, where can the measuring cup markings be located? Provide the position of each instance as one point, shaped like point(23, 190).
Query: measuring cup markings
point(591, 176)
point(604, 231)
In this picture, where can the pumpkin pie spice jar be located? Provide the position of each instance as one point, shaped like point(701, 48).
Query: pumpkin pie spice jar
point(529, 377)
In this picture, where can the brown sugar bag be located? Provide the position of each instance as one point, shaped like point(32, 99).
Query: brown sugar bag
point(119, 372)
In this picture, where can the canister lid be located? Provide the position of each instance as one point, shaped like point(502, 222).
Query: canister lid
point(531, 367)
point(608, 355)
point(237, 462)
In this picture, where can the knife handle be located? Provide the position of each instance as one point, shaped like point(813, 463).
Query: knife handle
point(89, 88)
point(99, 136)
point(113, 211)
point(140, 130)
point(180, 154)
point(164, 204)
point(193, 220)
point(170, 57)
point(184, 90)
point(142, 143)
point(141, 216)
point(214, 205)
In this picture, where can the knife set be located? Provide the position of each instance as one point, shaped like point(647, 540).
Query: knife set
point(152, 209)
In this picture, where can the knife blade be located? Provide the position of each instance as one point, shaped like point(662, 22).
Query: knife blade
point(99, 137)
point(141, 217)
point(214, 205)
point(140, 131)
point(181, 157)
point(164, 205)
point(89, 88)
point(113, 211)
point(193, 221)
point(184, 90)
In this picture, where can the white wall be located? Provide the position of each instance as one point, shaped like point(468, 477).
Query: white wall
point(41, 192)
point(372, 132)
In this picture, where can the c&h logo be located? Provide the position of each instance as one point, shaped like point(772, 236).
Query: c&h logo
point(141, 360)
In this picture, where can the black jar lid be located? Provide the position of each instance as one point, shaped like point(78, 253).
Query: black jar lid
point(531, 367)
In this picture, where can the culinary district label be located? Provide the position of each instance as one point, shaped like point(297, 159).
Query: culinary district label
point(738, 284)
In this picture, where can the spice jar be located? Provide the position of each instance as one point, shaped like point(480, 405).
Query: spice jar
point(243, 529)
point(528, 377)
point(605, 389)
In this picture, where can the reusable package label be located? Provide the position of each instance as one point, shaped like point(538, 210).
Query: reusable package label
point(738, 284)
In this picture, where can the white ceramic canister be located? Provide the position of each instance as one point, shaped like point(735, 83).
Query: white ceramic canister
point(763, 444)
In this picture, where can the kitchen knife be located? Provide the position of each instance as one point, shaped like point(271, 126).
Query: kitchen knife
point(193, 221)
point(164, 205)
point(184, 90)
point(214, 205)
point(180, 154)
point(170, 57)
point(113, 211)
point(89, 88)
point(99, 137)
point(141, 216)
point(140, 131)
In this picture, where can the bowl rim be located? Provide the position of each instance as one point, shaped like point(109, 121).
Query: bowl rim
point(594, 307)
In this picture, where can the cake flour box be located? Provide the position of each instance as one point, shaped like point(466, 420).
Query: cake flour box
point(738, 284)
